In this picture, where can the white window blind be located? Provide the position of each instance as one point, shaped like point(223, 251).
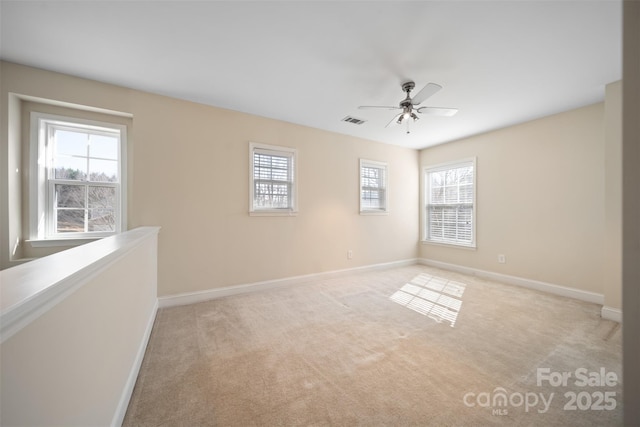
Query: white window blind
point(272, 179)
point(450, 216)
point(373, 186)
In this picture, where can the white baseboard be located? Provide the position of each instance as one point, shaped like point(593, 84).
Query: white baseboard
point(194, 297)
point(125, 397)
point(611, 313)
point(519, 281)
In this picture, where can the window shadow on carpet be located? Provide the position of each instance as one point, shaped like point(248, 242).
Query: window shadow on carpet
point(435, 297)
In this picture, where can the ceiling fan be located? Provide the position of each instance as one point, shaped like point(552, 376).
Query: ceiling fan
point(409, 106)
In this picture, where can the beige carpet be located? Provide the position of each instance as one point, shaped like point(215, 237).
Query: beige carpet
point(406, 346)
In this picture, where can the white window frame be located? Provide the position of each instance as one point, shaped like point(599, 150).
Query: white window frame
point(274, 150)
point(41, 203)
point(383, 189)
point(427, 204)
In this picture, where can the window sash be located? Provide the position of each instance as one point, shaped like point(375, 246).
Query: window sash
point(373, 186)
point(272, 179)
point(451, 223)
point(101, 212)
point(450, 204)
point(91, 212)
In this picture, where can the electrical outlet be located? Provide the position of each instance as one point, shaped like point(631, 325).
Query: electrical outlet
point(349, 254)
point(502, 259)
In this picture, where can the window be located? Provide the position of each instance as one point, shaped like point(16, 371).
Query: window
point(77, 191)
point(373, 187)
point(272, 180)
point(450, 203)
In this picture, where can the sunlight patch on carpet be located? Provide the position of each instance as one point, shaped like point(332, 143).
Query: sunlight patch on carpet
point(435, 297)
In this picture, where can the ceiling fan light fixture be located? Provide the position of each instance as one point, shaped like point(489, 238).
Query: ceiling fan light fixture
point(409, 106)
point(406, 115)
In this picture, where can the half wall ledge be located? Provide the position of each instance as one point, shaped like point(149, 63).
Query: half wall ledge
point(31, 289)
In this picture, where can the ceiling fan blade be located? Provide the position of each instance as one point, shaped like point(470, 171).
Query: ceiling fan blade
point(394, 120)
point(366, 107)
point(435, 111)
point(429, 90)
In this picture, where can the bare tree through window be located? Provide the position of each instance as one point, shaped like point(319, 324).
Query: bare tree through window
point(273, 179)
point(84, 179)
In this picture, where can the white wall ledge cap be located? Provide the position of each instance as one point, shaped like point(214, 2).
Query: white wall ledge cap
point(30, 289)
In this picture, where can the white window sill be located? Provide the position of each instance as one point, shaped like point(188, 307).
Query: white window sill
point(449, 245)
point(50, 243)
point(273, 213)
point(374, 213)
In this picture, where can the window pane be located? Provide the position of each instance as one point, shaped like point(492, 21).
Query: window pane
point(105, 147)
point(71, 143)
point(435, 223)
point(372, 178)
point(102, 197)
point(70, 168)
point(437, 179)
point(449, 222)
point(70, 196)
point(466, 193)
point(102, 220)
point(279, 174)
point(373, 199)
point(272, 195)
point(451, 194)
point(466, 175)
point(262, 160)
point(273, 181)
point(262, 173)
point(437, 195)
point(70, 221)
point(275, 168)
point(451, 176)
point(464, 224)
point(280, 168)
point(370, 196)
point(372, 187)
point(103, 170)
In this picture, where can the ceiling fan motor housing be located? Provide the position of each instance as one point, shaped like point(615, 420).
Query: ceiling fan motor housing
point(406, 103)
point(408, 86)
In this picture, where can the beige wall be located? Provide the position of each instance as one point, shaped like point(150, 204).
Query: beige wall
point(189, 174)
point(208, 238)
point(543, 189)
point(540, 199)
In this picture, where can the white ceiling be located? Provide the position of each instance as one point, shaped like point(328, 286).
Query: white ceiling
point(313, 63)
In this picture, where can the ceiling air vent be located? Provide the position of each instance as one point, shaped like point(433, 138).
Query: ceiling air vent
point(353, 120)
